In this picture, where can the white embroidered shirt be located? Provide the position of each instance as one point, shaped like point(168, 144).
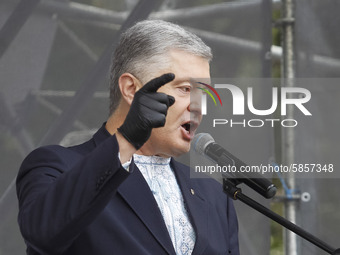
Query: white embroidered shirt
point(163, 184)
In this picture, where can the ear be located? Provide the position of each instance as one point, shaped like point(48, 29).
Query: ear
point(128, 85)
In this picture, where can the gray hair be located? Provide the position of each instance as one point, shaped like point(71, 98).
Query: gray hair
point(144, 48)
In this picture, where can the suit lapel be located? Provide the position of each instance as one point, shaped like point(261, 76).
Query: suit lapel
point(138, 195)
point(136, 192)
point(196, 206)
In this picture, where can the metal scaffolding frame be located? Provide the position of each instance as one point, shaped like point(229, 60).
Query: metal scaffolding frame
point(121, 21)
point(288, 135)
point(66, 118)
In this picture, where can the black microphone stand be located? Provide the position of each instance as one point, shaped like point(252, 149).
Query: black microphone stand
point(230, 188)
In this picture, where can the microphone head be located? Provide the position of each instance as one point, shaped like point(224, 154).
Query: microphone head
point(201, 141)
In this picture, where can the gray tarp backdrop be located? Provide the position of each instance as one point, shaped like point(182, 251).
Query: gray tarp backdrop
point(54, 89)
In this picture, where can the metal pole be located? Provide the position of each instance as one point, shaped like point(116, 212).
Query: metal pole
point(288, 75)
point(266, 38)
point(78, 11)
point(15, 22)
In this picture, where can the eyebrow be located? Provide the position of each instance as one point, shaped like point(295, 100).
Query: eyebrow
point(191, 81)
point(180, 80)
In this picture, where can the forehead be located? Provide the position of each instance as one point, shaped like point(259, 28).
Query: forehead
point(187, 66)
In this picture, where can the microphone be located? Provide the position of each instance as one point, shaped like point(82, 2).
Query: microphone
point(205, 145)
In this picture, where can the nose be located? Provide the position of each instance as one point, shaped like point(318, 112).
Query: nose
point(194, 106)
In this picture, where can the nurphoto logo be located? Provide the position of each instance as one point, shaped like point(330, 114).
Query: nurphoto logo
point(240, 101)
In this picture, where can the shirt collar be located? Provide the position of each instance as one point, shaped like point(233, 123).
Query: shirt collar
point(150, 160)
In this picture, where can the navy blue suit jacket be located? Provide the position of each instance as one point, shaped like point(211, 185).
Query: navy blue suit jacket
point(80, 200)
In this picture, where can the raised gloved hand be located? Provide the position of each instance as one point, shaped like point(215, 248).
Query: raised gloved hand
point(148, 110)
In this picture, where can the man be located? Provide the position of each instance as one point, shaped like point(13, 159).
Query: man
point(122, 192)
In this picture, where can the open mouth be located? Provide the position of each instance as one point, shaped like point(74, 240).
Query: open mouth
point(189, 126)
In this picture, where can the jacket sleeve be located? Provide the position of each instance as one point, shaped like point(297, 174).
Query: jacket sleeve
point(60, 196)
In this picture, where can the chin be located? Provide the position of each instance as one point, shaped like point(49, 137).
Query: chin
point(180, 150)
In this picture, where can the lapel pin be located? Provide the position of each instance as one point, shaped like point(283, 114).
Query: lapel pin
point(192, 191)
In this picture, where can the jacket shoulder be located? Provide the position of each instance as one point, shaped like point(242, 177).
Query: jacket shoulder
point(54, 156)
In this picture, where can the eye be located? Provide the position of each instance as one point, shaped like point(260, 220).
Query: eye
point(185, 89)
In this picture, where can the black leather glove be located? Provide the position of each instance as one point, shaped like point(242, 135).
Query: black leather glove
point(148, 110)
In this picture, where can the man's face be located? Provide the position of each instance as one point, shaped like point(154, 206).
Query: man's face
point(184, 115)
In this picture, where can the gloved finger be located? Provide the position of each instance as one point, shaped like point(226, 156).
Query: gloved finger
point(151, 98)
point(171, 100)
point(158, 120)
point(157, 107)
point(153, 118)
point(156, 83)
